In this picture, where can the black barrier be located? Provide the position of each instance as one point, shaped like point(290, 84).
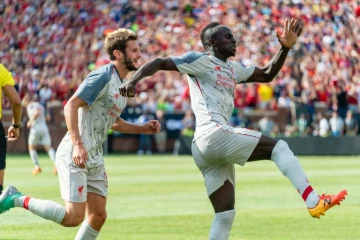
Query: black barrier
point(173, 122)
point(305, 145)
point(325, 146)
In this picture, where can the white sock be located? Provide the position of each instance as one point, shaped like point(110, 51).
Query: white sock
point(86, 232)
point(34, 157)
point(43, 208)
point(51, 153)
point(290, 166)
point(221, 226)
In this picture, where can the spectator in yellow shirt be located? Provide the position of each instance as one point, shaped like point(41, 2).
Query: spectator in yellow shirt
point(265, 94)
point(7, 85)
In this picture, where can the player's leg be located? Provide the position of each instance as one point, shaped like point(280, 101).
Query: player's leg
point(46, 142)
point(35, 159)
point(3, 145)
point(290, 167)
point(219, 181)
point(51, 152)
point(96, 217)
point(73, 191)
point(96, 204)
point(71, 216)
point(33, 142)
point(223, 202)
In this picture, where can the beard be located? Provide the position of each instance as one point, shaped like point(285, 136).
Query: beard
point(129, 64)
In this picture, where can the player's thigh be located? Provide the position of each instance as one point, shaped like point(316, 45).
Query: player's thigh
point(215, 174)
point(223, 199)
point(96, 206)
point(3, 146)
point(73, 181)
point(263, 149)
point(97, 181)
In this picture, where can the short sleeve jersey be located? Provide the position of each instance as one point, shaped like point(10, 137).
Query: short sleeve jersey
point(212, 84)
point(100, 90)
point(5, 79)
point(32, 109)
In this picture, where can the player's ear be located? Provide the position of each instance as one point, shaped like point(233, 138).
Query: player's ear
point(118, 54)
point(211, 42)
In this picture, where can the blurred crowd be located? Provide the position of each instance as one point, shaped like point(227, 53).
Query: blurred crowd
point(50, 46)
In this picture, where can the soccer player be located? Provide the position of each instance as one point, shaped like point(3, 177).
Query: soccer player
point(90, 113)
point(39, 132)
point(7, 85)
point(216, 147)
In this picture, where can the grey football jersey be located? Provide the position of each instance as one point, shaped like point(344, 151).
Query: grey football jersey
point(100, 90)
point(31, 109)
point(212, 84)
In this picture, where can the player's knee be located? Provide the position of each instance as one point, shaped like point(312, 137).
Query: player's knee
point(98, 218)
point(281, 148)
point(72, 220)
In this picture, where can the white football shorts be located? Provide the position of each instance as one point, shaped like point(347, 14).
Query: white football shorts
point(76, 182)
point(216, 152)
point(39, 136)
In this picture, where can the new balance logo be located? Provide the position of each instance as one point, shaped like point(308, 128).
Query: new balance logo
point(328, 201)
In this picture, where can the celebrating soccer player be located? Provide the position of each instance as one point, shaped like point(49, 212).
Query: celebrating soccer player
point(90, 113)
point(216, 146)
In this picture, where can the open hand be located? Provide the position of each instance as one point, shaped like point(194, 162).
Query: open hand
point(127, 90)
point(151, 127)
point(291, 31)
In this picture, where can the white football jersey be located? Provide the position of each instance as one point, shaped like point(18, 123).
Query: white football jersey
point(212, 84)
point(100, 90)
point(31, 109)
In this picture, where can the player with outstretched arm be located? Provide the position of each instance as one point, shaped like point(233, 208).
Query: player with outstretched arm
point(216, 146)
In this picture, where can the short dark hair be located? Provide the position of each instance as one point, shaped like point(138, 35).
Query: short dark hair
point(206, 33)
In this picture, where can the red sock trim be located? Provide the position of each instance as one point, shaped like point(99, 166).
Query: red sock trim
point(26, 203)
point(306, 193)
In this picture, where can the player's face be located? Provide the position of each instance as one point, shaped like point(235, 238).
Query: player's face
point(132, 56)
point(225, 41)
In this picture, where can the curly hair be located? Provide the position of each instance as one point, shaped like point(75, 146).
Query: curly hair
point(117, 40)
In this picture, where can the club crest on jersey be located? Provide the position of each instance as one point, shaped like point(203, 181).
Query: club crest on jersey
point(217, 68)
point(116, 95)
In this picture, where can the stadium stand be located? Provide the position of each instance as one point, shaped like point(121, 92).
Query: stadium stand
point(50, 46)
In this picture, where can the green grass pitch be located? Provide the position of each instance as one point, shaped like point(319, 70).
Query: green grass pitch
point(164, 198)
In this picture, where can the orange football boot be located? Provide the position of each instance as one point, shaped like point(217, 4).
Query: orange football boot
point(326, 202)
point(36, 171)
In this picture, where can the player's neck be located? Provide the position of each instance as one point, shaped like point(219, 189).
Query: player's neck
point(121, 69)
point(219, 56)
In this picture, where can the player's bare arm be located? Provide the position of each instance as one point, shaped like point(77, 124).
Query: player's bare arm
point(80, 155)
point(10, 92)
point(287, 39)
point(148, 69)
point(150, 127)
